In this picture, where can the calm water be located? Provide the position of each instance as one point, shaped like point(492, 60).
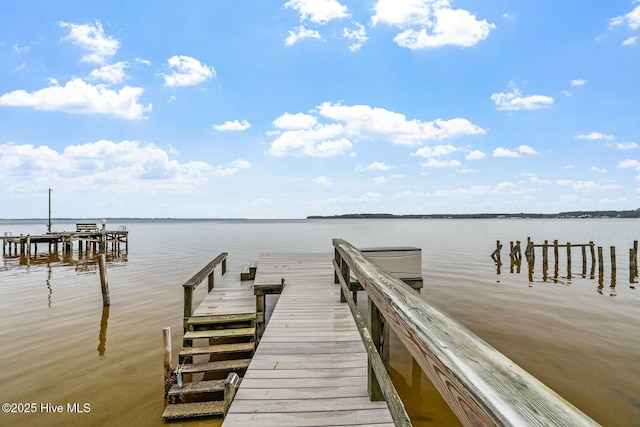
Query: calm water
point(58, 345)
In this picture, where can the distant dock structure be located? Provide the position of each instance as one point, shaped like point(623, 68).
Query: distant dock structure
point(87, 237)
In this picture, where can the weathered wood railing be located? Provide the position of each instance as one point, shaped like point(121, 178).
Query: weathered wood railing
point(481, 385)
point(191, 284)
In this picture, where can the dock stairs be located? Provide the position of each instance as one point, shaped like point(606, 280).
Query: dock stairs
point(217, 350)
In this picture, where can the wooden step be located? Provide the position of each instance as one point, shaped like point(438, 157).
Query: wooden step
point(197, 387)
point(220, 333)
point(179, 411)
point(219, 366)
point(228, 318)
point(218, 349)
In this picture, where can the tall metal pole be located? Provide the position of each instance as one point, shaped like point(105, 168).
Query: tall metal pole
point(49, 224)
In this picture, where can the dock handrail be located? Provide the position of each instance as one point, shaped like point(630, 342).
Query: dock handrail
point(206, 271)
point(481, 385)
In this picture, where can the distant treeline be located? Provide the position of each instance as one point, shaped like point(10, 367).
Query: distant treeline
point(576, 214)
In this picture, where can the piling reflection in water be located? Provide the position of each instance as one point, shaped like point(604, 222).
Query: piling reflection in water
point(515, 263)
point(102, 337)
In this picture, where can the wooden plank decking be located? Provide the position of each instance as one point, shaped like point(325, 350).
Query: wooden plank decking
point(310, 368)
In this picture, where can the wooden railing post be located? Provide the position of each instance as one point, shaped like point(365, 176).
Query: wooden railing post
point(224, 266)
point(338, 259)
point(346, 275)
point(188, 305)
point(210, 284)
point(380, 336)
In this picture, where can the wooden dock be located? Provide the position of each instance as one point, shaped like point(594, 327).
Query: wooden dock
point(87, 237)
point(318, 363)
point(310, 368)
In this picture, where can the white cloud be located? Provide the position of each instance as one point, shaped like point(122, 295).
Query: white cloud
point(318, 11)
point(113, 73)
point(358, 37)
point(187, 71)
point(578, 82)
point(626, 145)
point(304, 135)
point(569, 167)
point(142, 61)
point(322, 180)
point(435, 151)
point(631, 19)
point(124, 167)
point(261, 202)
point(295, 121)
point(630, 163)
point(79, 97)
point(430, 23)
point(368, 122)
point(233, 126)
point(21, 49)
point(19, 67)
point(434, 163)
point(504, 152)
point(514, 101)
point(597, 169)
point(321, 141)
point(565, 92)
point(594, 136)
point(301, 33)
point(370, 197)
point(630, 41)
point(510, 16)
point(465, 171)
point(375, 166)
point(92, 39)
point(475, 155)
point(585, 185)
point(525, 149)
point(379, 180)
point(534, 179)
point(232, 168)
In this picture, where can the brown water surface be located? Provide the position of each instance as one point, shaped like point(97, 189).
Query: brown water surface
point(59, 347)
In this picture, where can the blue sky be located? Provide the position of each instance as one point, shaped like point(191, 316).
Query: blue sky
point(318, 107)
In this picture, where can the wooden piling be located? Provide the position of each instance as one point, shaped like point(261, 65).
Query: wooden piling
point(104, 283)
point(230, 386)
point(612, 250)
point(600, 261)
point(545, 253)
point(166, 338)
point(568, 260)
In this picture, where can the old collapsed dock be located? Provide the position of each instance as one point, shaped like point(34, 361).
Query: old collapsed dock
point(318, 363)
point(87, 235)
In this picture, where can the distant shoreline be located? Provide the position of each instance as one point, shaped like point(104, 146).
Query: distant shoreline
point(575, 214)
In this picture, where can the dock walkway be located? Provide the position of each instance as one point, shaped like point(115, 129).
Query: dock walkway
point(310, 367)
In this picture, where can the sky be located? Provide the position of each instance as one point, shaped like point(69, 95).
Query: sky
point(284, 109)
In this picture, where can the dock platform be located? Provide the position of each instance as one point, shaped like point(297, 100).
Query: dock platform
point(310, 367)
